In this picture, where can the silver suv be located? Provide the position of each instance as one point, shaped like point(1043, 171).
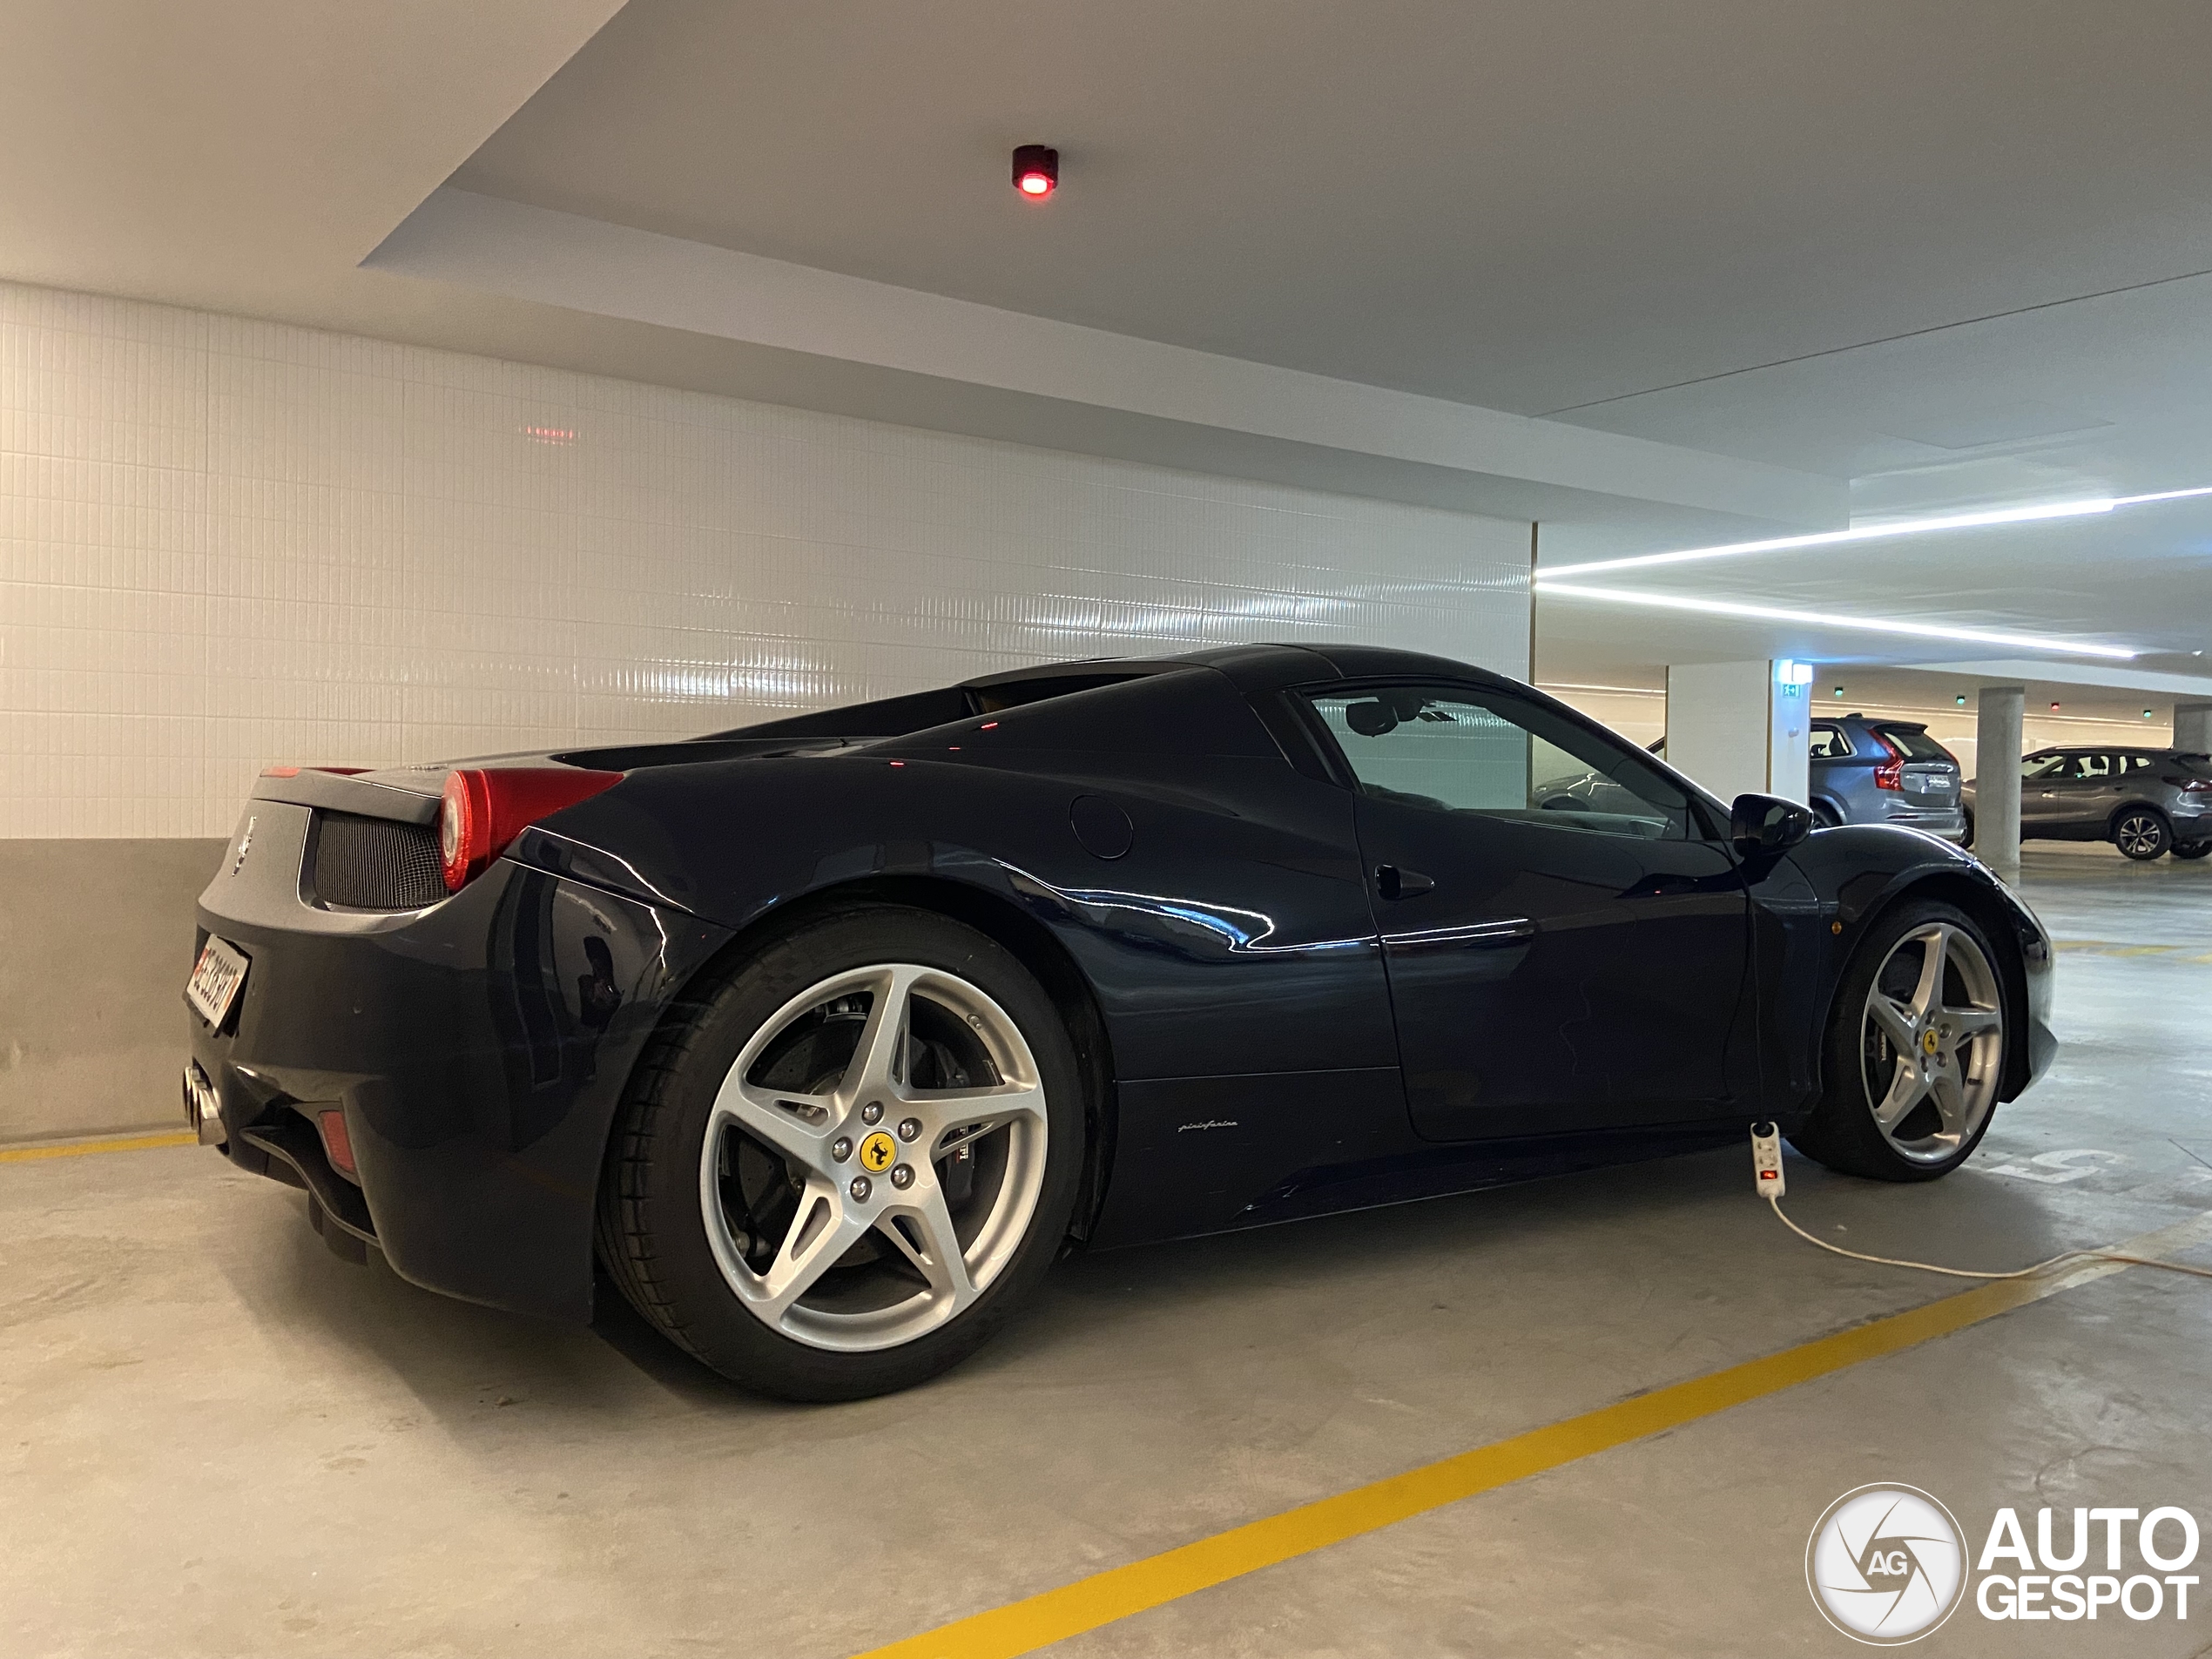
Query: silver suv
point(1885, 771)
point(2146, 802)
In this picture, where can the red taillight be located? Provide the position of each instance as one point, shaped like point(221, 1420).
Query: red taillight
point(337, 1145)
point(1890, 773)
point(2197, 787)
point(484, 811)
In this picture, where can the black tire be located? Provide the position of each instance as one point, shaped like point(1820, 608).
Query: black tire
point(652, 1233)
point(1967, 839)
point(1825, 817)
point(2192, 849)
point(2141, 833)
point(1841, 1131)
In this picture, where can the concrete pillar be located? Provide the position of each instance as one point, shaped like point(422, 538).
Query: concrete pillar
point(2193, 727)
point(1741, 728)
point(1997, 784)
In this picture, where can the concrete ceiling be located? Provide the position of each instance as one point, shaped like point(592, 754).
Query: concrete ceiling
point(1534, 207)
point(246, 156)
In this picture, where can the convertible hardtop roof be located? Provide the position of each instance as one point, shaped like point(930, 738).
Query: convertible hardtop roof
point(1254, 667)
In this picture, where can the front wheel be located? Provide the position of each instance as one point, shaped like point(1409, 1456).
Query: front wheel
point(1915, 1052)
point(2193, 849)
point(839, 1170)
point(2141, 833)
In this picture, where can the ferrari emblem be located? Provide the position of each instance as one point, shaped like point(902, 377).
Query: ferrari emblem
point(1928, 1042)
point(878, 1153)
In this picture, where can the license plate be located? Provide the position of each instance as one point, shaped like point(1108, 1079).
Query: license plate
point(216, 980)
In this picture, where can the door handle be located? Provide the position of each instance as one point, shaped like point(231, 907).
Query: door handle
point(1394, 883)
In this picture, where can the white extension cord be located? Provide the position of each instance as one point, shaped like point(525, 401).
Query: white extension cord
point(1767, 1181)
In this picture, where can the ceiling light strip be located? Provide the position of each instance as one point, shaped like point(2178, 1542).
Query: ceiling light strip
point(1552, 588)
point(2088, 507)
point(1856, 533)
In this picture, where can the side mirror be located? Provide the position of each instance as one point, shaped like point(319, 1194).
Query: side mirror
point(1767, 824)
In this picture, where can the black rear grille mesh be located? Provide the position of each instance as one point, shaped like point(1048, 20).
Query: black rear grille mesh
point(375, 864)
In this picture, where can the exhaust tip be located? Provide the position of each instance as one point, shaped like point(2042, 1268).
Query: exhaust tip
point(203, 1107)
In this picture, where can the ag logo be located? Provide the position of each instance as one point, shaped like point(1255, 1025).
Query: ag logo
point(1885, 1565)
point(878, 1152)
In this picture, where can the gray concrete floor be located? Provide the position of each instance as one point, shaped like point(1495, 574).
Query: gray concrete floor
point(216, 1438)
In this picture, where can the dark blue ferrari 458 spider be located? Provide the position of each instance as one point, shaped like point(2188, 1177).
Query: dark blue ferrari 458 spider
point(824, 1038)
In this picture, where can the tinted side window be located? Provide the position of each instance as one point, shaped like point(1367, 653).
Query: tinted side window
point(2046, 766)
point(2093, 766)
point(1464, 749)
point(1828, 743)
point(1915, 742)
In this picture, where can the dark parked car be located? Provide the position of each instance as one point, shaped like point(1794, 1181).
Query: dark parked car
point(2146, 802)
point(1885, 771)
point(826, 1036)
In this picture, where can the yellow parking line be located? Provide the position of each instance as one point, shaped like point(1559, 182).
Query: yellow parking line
point(1055, 1615)
point(77, 1148)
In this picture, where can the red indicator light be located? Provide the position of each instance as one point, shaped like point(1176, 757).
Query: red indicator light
point(1036, 171)
point(898, 763)
point(988, 725)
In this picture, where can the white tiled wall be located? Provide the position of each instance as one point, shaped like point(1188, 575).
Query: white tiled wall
point(226, 543)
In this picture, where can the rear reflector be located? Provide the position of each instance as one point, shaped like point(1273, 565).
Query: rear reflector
point(485, 809)
point(337, 1145)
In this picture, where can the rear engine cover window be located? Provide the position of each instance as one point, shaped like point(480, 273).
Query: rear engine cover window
point(375, 864)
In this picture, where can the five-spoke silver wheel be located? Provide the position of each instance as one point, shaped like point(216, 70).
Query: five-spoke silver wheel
point(874, 1156)
point(1932, 1042)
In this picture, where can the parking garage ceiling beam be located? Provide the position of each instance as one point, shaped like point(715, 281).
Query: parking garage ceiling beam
point(1066, 386)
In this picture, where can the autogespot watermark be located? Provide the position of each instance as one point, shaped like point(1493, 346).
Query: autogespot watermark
point(1887, 1564)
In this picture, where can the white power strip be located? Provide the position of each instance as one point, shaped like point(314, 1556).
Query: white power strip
point(1767, 1181)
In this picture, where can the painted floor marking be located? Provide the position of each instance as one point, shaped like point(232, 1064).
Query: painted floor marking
point(2116, 948)
point(1052, 1615)
point(112, 1143)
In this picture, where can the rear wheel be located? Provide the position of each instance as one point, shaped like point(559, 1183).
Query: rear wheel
point(842, 1168)
point(2193, 849)
point(1915, 1052)
point(2142, 832)
point(1967, 839)
point(1824, 816)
